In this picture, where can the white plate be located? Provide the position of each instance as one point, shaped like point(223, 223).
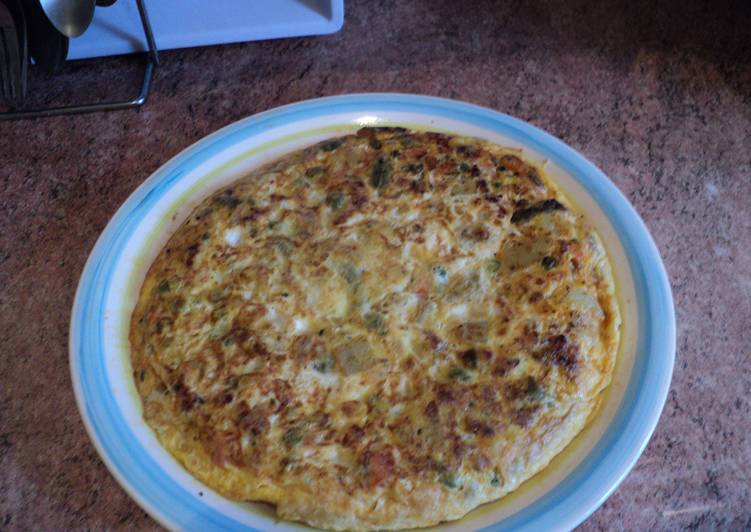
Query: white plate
point(560, 497)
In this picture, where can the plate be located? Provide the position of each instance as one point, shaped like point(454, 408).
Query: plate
point(574, 485)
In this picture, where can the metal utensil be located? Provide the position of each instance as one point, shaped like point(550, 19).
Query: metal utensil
point(10, 58)
point(16, 10)
point(47, 46)
point(70, 17)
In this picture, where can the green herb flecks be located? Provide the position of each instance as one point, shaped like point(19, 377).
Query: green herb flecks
point(441, 275)
point(349, 273)
point(381, 174)
point(315, 171)
point(292, 437)
point(227, 199)
point(448, 479)
point(536, 392)
point(375, 322)
point(335, 200)
point(492, 266)
point(459, 374)
point(324, 364)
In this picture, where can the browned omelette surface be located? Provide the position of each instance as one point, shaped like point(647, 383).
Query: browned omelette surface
point(383, 330)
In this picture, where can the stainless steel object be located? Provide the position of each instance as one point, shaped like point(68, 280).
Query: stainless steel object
point(23, 41)
point(152, 61)
point(47, 46)
point(10, 57)
point(70, 17)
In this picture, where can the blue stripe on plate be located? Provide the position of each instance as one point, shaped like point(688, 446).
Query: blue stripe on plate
point(565, 506)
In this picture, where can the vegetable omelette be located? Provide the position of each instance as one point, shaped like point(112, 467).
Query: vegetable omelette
point(381, 331)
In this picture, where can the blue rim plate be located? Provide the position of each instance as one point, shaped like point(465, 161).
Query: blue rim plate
point(574, 485)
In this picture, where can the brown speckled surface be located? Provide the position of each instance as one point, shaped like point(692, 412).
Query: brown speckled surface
point(657, 94)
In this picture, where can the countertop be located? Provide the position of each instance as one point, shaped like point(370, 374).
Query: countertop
point(657, 94)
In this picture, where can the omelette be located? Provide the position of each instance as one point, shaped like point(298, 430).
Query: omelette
point(383, 330)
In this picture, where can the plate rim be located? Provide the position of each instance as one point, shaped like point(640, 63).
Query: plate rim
point(655, 298)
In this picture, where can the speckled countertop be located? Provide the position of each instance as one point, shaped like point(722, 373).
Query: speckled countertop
point(657, 94)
